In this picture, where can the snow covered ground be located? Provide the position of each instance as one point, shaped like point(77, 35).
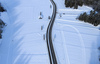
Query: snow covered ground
point(23, 38)
point(75, 42)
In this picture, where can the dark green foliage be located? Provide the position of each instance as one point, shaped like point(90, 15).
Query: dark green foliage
point(1, 8)
point(67, 4)
point(2, 24)
point(80, 2)
point(73, 3)
point(84, 17)
point(93, 18)
point(1, 31)
point(75, 6)
point(76, 3)
point(0, 36)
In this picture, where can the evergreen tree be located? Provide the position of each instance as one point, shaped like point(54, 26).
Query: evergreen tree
point(75, 6)
point(93, 17)
point(0, 36)
point(1, 8)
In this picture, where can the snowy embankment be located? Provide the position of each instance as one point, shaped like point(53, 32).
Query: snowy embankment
point(23, 41)
point(75, 42)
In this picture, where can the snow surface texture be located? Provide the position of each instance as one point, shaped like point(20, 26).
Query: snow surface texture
point(23, 38)
point(75, 42)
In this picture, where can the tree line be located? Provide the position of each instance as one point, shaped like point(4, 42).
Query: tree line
point(2, 24)
point(93, 17)
point(76, 3)
point(73, 3)
point(1, 8)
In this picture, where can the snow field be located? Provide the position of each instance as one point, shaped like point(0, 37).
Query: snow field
point(76, 45)
point(23, 38)
point(76, 42)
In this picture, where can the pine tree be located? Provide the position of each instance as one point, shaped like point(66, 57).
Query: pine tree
point(76, 6)
point(0, 36)
point(1, 8)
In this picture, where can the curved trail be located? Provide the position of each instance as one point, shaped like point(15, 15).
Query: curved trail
point(50, 47)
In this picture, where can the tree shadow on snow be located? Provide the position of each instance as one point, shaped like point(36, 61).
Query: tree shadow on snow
point(95, 52)
point(19, 56)
point(14, 44)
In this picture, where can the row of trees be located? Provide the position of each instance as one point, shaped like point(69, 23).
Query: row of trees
point(73, 3)
point(76, 3)
point(2, 24)
point(93, 18)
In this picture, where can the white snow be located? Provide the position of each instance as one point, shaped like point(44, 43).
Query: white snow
point(22, 41)
point(75, 42)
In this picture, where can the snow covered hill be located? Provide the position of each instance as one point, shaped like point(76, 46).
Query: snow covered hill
point(23, 41)
point(75, 42)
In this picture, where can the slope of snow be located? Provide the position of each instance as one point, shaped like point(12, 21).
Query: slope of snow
point(23, 38)
point(76, 42)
